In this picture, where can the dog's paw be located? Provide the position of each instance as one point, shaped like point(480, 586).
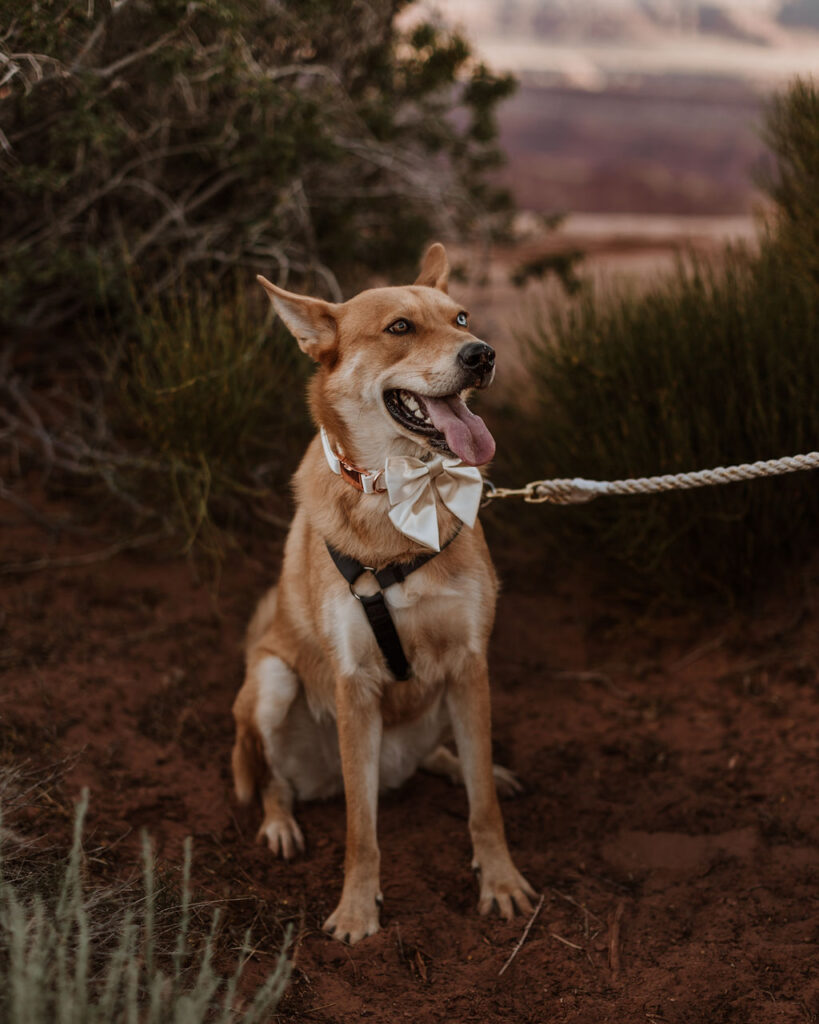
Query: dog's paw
point(506, 782)
point(354, 920)
point(503, 888)
point(282, 835)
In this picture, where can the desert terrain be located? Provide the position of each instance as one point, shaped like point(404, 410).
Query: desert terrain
point(670, 816)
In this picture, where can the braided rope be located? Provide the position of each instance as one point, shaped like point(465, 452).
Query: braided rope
point(576, 491)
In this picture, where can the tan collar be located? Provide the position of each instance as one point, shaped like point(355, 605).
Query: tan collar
point(363, 480)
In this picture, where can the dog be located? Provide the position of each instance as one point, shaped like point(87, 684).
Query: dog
point(374, 643)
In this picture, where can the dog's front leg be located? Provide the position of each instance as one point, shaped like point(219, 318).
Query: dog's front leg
point(358, 715)
point(501, 883)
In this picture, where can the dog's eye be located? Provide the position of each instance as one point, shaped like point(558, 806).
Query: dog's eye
point(462, 320)
point(401, 327)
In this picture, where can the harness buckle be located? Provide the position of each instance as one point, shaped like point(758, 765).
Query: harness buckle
point(364, 568)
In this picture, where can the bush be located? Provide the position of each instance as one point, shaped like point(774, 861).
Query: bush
point(152, 156)
point(193, 426)
point(65, 955)
point(217, 402)
point(714, 366)
point(285, 137)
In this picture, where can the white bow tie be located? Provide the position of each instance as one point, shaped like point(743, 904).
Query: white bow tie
point(412, 486)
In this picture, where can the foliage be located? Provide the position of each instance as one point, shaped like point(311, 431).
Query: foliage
point(193, 427)
point(218, 401)
point(712, 367)
point(151, 156)
point(792, 134)
point(63, 959)
point(287, 137)
point(563, 265)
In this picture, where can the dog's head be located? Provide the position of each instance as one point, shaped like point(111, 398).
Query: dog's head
point(395, 365)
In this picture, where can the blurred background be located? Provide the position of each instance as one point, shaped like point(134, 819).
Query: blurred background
point(587, 164)
point(639, 107)
point(640, 121)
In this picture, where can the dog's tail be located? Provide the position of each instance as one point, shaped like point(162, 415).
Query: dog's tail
point(250, 770)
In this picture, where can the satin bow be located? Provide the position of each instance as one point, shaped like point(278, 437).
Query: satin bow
point(412, 486)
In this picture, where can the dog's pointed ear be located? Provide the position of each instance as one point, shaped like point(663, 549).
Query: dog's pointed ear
point(312, 322)
point(434, 268)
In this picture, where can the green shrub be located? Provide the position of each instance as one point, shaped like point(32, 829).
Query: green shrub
point(65, 957)
point(712, 367)
point(288, 137)
point(217, 401)
point(144, 146)
point(192, 424)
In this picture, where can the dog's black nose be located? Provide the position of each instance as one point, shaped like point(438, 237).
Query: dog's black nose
point(478, 358)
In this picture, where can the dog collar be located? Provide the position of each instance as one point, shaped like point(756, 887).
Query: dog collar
point(414, 487)
point(362, 479)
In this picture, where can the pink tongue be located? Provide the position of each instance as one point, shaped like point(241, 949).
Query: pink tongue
point(465, 433)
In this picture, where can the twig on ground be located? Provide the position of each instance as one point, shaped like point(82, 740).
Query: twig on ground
point(592, 677)
point(614, 940)
point(571, 945)
point(696, 654)
point(526, 931)
point(580, 906)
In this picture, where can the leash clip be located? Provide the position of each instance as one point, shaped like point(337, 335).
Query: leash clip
point(490, 492)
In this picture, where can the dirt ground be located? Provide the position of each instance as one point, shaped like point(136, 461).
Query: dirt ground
point(670, 817)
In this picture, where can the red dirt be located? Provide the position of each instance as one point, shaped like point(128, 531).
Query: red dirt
point(670, 818)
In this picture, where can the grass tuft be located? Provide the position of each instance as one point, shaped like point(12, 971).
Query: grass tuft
point(61, 961)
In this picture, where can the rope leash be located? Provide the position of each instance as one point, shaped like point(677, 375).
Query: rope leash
point(576, 491)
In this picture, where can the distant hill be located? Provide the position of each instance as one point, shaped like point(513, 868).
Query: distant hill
point(639, 106)
point(655, 148)
point(757, 22)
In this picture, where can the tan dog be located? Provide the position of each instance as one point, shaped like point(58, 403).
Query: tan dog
point(319, 706)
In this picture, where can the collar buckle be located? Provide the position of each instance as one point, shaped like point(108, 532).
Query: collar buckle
point(362, 479)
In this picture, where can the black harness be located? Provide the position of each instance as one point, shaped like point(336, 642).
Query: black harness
point(375, 607)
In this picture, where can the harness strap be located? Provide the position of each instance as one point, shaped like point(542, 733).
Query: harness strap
point(386, 635)
point(375, 607)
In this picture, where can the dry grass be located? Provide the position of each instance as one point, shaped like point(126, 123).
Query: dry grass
point(81, 954)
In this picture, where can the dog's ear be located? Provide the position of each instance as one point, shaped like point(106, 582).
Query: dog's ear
point(434, 268)
point(312, 322)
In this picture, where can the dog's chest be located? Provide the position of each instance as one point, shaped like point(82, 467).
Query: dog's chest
point(438, 625)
